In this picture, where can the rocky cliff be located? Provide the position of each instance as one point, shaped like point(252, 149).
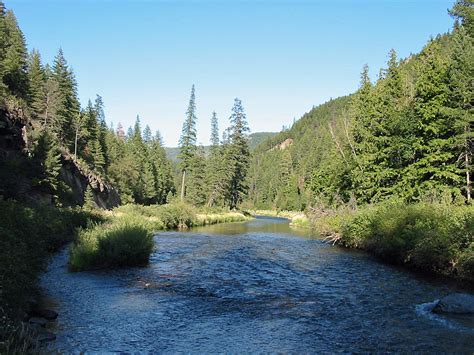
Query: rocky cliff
point(18, 173)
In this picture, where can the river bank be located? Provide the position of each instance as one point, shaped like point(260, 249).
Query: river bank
point(297, 219)
point(436, 238)
point(30, 235)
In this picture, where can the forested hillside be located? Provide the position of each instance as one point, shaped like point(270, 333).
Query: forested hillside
point(41, 101)
point(407, 136)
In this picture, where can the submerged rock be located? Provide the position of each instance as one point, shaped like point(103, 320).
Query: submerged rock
point(458, 303)
point(44, 313)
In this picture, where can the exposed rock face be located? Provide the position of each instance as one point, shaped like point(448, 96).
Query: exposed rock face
point(78, 178)
point(15, 150)
point(283, 145)
point(457, 303)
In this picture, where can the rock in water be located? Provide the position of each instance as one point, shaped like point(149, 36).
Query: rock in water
point(44, 313)
point(458, 303)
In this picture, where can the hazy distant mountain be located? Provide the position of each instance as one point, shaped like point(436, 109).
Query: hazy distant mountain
point(254, 140)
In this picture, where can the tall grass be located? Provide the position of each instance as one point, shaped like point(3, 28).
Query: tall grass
point(432, 237)
point(123, 243)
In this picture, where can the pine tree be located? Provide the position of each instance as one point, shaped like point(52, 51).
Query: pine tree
point(147, 135)
point(102, 131)
point(217, 176)
point(89, 200)
point(238, 155)
point(68, 108)
point(464, 11)
point(3, 50)
point(47, 152)
point(196, 192)
point(435, 167)
point(52, 101)
point(214, 131)
point(461, 102)
point(37, 85)
point(187, 141)
point(14, 61)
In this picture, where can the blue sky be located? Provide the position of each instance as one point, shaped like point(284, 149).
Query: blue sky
point(280, 57)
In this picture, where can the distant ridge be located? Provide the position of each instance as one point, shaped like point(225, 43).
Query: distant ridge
point(254, 140)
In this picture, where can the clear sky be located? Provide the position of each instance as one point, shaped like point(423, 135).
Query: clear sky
point(280, 57)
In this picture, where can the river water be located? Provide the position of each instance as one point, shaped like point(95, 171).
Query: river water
point(253, 287)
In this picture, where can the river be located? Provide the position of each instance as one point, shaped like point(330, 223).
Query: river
point(258, 286)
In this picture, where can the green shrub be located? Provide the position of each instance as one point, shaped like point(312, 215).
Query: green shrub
point(122, 243)
point(177, 215)
point(27, 236)
point(434, 237)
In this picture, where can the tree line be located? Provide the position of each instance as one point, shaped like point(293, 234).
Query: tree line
point(408, 135)
point(219, 179)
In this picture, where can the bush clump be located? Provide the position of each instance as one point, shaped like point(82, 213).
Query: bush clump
point(123, 243)
point(432, 237)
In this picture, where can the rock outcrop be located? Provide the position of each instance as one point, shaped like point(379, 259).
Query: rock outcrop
point(15, 154)
point(78, 177)
point(456, 303)
point(283, 145)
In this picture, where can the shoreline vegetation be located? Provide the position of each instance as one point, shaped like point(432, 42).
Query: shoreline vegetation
point(432, 237)
point(126, 236)
point(101, 239)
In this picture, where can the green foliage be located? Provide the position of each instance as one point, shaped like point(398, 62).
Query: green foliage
point(27, 235)
point(187, 141)
point(123, 243)
point(89, 200)
point(431, 237)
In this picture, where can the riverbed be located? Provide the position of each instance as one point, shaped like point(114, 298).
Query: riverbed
point(258, 286)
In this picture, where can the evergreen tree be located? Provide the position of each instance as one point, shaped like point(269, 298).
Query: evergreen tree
point(196, 192)
point(464, 10)
point(102, 131)
point(52, 101)
point(187, 141)
point(214, 131)
point(147, 135)
point(89, 200)
point(68, 108)
point(14, 61)
point(238, 154)
point(37, 83)
point(461, 102)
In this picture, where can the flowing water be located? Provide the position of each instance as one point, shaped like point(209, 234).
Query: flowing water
point(257, 286)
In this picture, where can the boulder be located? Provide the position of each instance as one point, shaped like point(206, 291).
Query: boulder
point(457, 303)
